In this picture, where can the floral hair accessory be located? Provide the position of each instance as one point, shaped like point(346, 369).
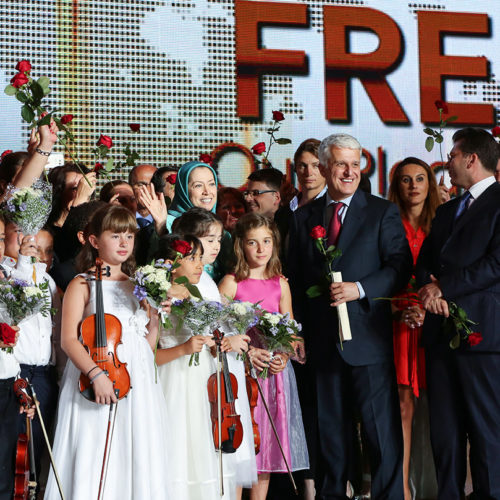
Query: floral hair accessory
point(171, 179)
point(183, 247)
point(6, 152)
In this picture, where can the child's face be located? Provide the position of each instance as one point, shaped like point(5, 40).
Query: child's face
point(258, 247)
point(2, 239)
point(45, 247)
point(191, 267)
point(13, 238)
point(211, 243)
point(113, 248)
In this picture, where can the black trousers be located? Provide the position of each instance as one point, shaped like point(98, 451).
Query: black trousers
point(372, 389)
point(43, 380)
point(9, 410)
point(464, 402)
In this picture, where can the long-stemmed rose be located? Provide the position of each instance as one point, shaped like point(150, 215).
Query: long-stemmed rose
point(318, 234)
point(260, 148)
point(436, 136)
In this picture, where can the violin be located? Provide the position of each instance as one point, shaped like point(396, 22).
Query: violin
point(101, 335)
point(231, 429)
point(25, 482)
point(253, 396)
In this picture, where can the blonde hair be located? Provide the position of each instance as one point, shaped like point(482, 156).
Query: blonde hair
point(113, 218)
point(249, 222)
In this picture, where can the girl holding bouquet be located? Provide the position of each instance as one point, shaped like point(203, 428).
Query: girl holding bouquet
point(207, 227)
point(194, 469)
point(257, 278)
point(137, 465)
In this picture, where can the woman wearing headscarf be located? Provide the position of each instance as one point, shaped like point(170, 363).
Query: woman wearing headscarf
point(196, 186)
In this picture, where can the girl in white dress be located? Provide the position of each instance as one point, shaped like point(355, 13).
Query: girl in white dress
point(208, 228)
point(194, 466)
point(138, 454)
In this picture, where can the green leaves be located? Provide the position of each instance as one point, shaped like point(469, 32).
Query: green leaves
point(27, 113)
point(10, 90)
point(429, 143)
point(283, 140)
point(315, 291)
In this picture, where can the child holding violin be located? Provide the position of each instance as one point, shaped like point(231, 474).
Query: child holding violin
point(208, 228)
point(137, 466)
point(257, 278)
point(194, 467)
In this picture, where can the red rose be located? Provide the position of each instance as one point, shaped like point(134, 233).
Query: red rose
point(135, 127)
point(7, 152)
point(474, 338)
point(98, 166)
point(7, 334)
point(441, 105)
point(496, 131)
point(259, 148)
point(19, 80)
point(278, 116)
point(104, 140)
point(171, 178)
point(23, 66)
point(66, 119)
point(206, 159)
point(317, 232)
point(183, 247)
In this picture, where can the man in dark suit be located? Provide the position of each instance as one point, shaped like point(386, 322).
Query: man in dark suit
point(375, 262)
point(460, 262)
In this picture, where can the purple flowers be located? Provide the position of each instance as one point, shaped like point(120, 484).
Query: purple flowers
point(140, 292)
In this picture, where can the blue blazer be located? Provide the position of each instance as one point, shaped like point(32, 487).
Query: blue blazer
point(375, 252)
point(465, 257)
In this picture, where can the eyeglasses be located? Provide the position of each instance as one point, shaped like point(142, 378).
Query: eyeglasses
point(257, 192)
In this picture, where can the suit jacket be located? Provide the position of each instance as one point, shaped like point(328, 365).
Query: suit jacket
point(465, 257)
point(375, 252)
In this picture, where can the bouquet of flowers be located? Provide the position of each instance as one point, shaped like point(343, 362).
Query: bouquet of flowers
point(152, 282)
point(242, 315)
point(20, 299)
point(277, 332)
point(29, 207)
point(202, 317)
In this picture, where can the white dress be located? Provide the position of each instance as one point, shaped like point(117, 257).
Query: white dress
point(246, 466)
point(138, 467)
point(194, 462)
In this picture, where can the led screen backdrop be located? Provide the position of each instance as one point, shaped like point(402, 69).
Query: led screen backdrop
point(200, 74)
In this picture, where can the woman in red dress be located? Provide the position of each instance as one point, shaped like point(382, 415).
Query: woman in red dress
point(414, 189)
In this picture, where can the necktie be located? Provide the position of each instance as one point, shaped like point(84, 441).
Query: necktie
point(463, 205)
point(335, 225)
point(143, 222)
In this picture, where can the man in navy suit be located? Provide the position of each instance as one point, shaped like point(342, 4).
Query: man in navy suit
point(460, 262)
point(375, 262)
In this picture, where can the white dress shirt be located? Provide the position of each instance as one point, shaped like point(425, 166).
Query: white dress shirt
point(34, 345)
point(479, 188)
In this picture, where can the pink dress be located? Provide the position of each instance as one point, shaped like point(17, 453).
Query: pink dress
point(280, 392)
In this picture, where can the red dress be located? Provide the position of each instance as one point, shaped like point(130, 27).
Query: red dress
point(408, 354)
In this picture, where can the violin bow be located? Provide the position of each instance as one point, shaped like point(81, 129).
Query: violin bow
point(47, 442)
point(107, 447)
point(219, 420)
point(264, 402)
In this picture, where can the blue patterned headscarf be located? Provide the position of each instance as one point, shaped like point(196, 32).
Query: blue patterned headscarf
point(181, 202)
